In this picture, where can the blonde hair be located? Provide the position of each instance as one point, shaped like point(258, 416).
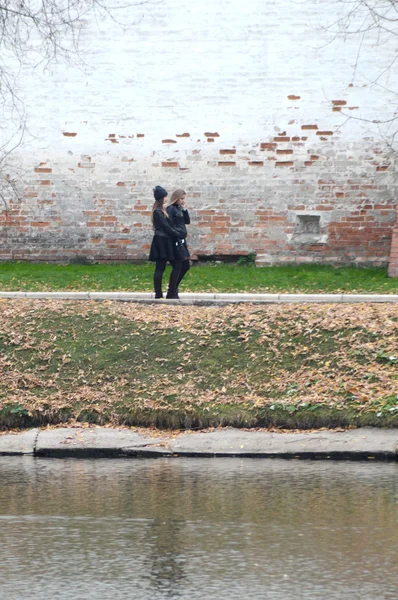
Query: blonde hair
point(176, 196)
point(159, 204)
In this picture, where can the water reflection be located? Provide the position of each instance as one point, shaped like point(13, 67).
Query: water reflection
point(194, 528)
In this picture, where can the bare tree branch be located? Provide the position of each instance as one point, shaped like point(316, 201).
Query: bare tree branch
point(376, 22)
point(34, 33)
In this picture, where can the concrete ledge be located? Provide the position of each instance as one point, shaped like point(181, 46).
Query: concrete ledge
point(12, 294)
point(132, 296)
point(59, 295)
point(367, 443)
point(206, 298)
point(98, 442)
point(354, 444)
point(370, 298)
point(331, 298)
point(18, 443)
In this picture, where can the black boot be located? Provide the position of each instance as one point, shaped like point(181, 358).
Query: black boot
point(157, 278)
point(172, 292)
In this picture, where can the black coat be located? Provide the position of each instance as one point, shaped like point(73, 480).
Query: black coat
point(165, 245)
point(180, 218)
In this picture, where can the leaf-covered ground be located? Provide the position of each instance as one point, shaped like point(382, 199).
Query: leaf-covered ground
point(190, 366)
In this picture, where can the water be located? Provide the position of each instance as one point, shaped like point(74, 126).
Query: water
point(197, 529)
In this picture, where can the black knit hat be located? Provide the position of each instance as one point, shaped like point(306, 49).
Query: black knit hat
point(159, 192)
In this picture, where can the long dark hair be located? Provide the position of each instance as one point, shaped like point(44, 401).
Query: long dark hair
point(159, 204)
point(160, 194)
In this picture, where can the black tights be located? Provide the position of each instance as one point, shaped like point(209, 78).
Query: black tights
point(174, 275)
point(185, 266)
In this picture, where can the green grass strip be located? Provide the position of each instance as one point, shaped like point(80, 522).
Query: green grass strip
point(15, 276)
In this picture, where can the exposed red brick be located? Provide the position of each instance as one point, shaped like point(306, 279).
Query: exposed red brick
point(339, 102)
point(170, 164)
point(293, 97)
point(111, 135)
point(68, 134)
point(287, 163)
point(256, 163)
point(382, 168)
point(268, 146)
point(212, 135)
point(112, 140)
point(43, 170)
point(314, 157)
point(295, 138)
point(226, 163)
point(284, 151)
point(281, 139)
point(324, 132)
point(183, 135)
point(45, 182)
point(308, 163)
point(336, 108)
point(168, 141)
point(40, 224)
point(108, 219)
point(227, 151)
point(120, 184)
point(210, 139)
point(309, 127)
point(140, 135)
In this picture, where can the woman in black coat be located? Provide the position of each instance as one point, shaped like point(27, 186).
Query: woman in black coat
point(179, 217)
point(164, 247)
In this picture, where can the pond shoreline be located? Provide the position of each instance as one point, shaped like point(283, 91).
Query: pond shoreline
point(101, 442)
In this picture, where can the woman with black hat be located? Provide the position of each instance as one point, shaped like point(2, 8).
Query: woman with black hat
point(164, 247)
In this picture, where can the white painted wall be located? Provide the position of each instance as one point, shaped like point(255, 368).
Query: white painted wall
point(226, 67)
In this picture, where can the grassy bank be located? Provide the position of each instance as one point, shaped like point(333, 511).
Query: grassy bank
point(203, 278)
point(299, 366)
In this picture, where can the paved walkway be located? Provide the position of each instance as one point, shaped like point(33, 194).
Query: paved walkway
point(354, 444)
point(206, 298)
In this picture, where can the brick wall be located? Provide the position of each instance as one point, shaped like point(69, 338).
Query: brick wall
point(242, 105)
point(393, 262)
